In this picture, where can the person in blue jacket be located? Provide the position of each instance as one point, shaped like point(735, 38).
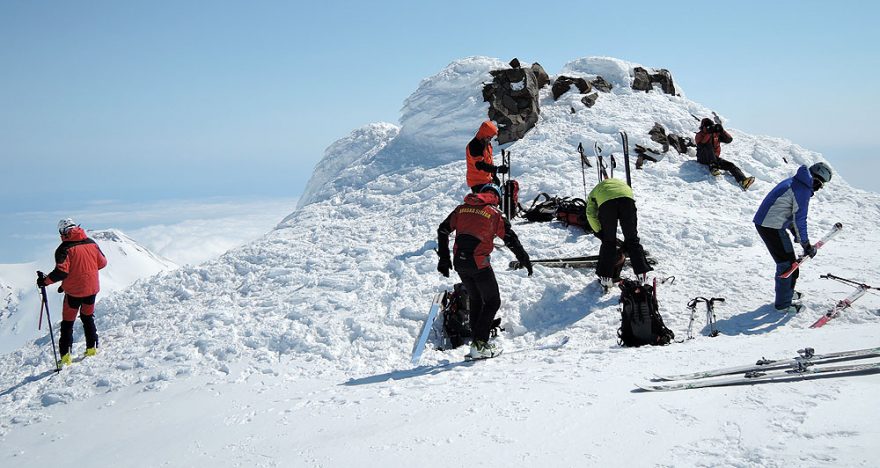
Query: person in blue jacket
point(785, 208)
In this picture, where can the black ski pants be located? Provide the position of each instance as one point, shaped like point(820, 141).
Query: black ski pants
point(782, 250)
point(485, 300)
point(730, 167)
point(85, 305)
point(623, 210)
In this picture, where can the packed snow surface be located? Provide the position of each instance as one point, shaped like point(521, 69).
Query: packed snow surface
point(294, 349)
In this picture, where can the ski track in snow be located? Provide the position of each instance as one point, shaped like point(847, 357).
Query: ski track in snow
point(299, 341)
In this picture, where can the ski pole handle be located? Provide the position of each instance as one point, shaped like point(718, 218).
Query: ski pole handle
point(804, 258)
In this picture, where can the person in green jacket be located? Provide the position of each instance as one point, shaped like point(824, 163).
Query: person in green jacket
point(609, 202)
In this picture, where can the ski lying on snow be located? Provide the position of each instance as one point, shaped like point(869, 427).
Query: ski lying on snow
point(758, 376)
point(574, 262)
point(806, 356)
point(562, 342)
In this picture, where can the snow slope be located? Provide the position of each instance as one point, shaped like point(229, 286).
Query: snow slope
point(297, 344)
point(127, 262)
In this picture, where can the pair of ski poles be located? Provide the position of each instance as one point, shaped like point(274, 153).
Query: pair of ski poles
point(44, 305)
point(710, 314)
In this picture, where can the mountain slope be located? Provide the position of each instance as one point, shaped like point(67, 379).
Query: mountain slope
point(336, 293)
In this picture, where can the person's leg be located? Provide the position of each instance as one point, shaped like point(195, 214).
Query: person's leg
point(475, 300)
point(608, 249)
point(732, 168)
point(87, 317)
point(629, 223)
point(779, 245)
point(68, 315)
point(484, 281)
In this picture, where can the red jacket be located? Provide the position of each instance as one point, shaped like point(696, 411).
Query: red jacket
point(704, 137)
point(77, 261)
point(478, 151)
point(476, 222)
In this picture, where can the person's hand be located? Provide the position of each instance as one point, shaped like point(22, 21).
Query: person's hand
point(41, 281)
point(809, 250)
point(527, 264)
point(61, 289)
point(443, 266)
point(503, 169)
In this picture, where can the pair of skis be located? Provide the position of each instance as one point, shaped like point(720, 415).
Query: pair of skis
point(589, 261)
point(806, 364)
point(843, 304)
point(603, 170)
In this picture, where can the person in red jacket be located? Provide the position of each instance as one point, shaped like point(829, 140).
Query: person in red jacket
point(77, 261)
point(709, 140)
point(480, 169)
point(477, 222)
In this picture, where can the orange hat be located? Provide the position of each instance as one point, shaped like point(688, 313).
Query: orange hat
point(487, 130)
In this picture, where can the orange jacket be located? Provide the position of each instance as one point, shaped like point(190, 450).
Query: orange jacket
point(475, 175)
point(77, 261)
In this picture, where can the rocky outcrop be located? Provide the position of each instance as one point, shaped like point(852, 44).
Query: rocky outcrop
point(564, 83)
point(644, 80)
point(513, 99)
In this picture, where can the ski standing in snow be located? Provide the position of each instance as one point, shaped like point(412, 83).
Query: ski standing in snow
point(477, 222)
point(785, 209)
point(77, 261)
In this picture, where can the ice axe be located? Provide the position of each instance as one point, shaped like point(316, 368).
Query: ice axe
point(44, 304)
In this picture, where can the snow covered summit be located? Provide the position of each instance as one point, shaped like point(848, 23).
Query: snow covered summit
point(338, 290)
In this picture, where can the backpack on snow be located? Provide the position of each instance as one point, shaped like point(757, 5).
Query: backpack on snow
point(456, 320)
point(640, 321)
point(542, 211)
point(573, 212)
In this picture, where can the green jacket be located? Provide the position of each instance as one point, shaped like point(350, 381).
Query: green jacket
point(608, 189)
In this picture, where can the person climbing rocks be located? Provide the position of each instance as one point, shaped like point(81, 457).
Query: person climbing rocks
point(477, 222)
point(77, 261)
point(480, 169)
point(610, 202)
point(784, 209)
point(708, 141)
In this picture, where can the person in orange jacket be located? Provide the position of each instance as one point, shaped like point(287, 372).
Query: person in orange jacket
point(480, 168)
point(708, 141)
point(77, 261)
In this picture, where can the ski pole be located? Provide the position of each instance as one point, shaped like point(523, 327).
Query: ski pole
point(624, 138)
point(710, 311)
point(847, 281)
point(583, 170)
point(794, 266)
point(45, 304)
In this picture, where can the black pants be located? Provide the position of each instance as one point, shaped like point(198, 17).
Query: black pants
point(485, 300)
point(86, 304)
point(730, 167)
point(782, 251)
point(624, 210)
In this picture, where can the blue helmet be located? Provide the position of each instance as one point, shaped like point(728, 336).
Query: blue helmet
point(492, 188)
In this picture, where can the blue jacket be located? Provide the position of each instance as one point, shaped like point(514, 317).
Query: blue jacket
point(787, 205)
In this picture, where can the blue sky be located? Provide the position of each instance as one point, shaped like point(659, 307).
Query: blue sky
point(107, 101)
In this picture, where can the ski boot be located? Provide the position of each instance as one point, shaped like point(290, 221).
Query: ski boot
point(746, 183)
point(792, 309)
point(483, 350)
point(715, 171)
point(91, 352)
point(65, 360)
point(606, 283)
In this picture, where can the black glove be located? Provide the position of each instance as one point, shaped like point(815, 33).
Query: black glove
point(41, 282)
point(809, 250)
point(61, 289)
point(527, 264)
point(443, 266)
point(502, 169)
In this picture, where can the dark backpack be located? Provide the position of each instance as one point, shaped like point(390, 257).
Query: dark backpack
point(456, 321)
point(573, 212)
point(640, 321)
point(706, 154)
point(541, 211)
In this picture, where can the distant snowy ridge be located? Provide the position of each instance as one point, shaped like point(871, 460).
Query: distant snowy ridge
point(343, 283)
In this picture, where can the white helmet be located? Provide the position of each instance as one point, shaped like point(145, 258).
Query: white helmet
point(65, 225)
